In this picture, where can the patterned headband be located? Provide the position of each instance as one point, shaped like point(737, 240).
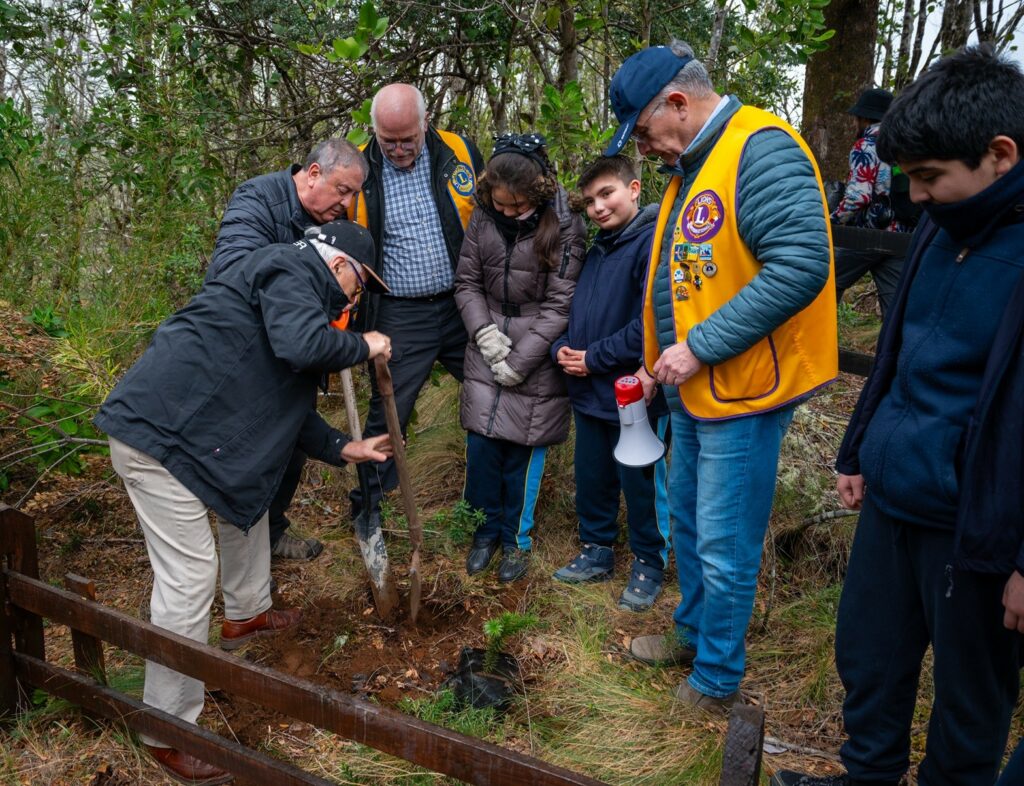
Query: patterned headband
point(530, 145)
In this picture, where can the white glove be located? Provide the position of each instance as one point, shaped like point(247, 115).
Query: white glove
point(505, 375)
point(493, 344)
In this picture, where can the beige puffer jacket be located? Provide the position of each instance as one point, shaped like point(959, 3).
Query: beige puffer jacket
point(536, 301)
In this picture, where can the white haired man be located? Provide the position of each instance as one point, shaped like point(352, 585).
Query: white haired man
point(416, 202)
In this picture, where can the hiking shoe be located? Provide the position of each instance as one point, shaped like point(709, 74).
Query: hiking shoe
point(480, 557)
point(687, 694)
point(661, 651)
point(791, 778)
point(514, 564)
point(290, 547)
point(643, 588)
point(594, 563)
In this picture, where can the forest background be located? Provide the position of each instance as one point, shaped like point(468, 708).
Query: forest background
point(126, 124)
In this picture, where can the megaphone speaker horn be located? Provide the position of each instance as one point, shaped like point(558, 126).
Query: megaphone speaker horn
point(638, 445)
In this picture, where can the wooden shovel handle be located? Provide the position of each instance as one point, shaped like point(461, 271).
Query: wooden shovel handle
point(387, 394)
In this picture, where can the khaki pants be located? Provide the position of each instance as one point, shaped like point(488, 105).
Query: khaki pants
point(183, 555)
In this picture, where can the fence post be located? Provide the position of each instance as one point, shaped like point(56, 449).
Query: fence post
point(18, 554)
point(88, 649)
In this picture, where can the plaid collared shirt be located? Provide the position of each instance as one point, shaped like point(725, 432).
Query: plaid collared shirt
point(416, 260)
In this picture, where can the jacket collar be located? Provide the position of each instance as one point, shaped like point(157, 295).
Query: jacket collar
point(706, 138)
point(971, 221)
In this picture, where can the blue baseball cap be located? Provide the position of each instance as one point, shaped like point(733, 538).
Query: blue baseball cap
point(635, 85)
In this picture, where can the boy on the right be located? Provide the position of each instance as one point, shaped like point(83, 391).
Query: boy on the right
point(934, 454)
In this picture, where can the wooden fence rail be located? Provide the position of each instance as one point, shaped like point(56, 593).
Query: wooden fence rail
point(25, 601)
point(893, 244)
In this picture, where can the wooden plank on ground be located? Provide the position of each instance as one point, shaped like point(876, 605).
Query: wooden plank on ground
point(855, 362)
point(201, 743)
point(436, 748)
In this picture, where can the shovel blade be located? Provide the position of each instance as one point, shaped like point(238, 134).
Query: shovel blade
point(375, 557)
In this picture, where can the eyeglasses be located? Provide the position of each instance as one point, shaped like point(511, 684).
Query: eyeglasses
point(354, 297)
point(640, 130)
point(405, 144)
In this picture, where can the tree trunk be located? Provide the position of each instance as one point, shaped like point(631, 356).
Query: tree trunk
point(716, 36)
point(956, 24)
point(568, 49)
point(835, 77)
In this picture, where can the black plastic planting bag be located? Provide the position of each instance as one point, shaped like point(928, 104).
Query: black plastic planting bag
point(477, 688)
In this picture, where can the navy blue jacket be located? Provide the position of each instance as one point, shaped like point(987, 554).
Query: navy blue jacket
point(263, 210)
point(977, 463)
point(227, 387)
point(605, 317)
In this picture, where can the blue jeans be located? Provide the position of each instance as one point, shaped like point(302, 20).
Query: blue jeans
point(720, 485)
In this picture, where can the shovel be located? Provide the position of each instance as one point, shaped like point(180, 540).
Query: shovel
point(370, 539)
point(387, 394)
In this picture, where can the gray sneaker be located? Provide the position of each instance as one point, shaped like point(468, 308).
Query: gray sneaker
point(661, 651)
point(290, 547)
point(594, 563)
point(643, 588)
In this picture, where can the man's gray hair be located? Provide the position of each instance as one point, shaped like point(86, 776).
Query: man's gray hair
point(421, 105)
point(336, 152)
point(692, 78)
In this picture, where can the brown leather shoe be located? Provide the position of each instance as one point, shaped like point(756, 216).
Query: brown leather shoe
point(186, 768)
point(235, 633)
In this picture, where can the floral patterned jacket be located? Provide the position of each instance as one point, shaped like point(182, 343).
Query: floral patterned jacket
point(866, 200)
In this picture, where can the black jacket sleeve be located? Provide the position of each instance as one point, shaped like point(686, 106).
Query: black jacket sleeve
point(318, 440)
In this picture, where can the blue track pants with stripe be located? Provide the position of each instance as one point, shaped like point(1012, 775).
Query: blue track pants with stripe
point(503, 480)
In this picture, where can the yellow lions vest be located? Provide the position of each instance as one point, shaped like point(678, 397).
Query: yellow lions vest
point(461, 184)
point(710, 263)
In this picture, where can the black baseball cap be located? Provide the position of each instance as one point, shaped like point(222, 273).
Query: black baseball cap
point(348, 238)
point(635, 85)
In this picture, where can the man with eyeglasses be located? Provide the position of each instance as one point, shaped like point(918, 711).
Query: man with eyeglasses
point(208, 418)
point(739, 327)
point(278, 208)
point(416, 201)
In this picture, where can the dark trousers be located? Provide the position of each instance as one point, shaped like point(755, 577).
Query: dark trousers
point(600, 479)
point(503, 480)
point(854, 264)
point(283, 498)
point(422, 333)
point(1013, 775)
point(901, 594)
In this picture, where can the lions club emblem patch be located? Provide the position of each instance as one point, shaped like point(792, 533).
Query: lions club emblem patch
point(703, 216)
point(462, 180)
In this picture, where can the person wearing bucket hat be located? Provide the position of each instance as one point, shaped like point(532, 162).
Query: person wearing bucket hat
point(278, 208)
point(739, 325)
point(875, 197)
point(208, 418)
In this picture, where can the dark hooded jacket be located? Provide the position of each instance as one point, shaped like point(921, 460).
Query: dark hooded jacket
point(605, 318)
point(501, 281)
point(938, 432)
point(227, 387)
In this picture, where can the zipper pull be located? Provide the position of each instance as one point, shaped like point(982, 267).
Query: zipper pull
point(962, 255)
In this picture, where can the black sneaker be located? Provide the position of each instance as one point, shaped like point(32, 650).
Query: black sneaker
point(791, 778)
point(514, 564)
point(480, 557)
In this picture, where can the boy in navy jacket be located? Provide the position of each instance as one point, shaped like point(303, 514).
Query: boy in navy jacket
point(603, 343)
point(933, 454)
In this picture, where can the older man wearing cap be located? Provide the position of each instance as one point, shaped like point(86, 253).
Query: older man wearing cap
point(207, 419)
point(278, 208)
point(873, 197)
point(739, 326)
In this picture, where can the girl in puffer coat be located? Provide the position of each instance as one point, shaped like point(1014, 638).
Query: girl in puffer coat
point(517, 271)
